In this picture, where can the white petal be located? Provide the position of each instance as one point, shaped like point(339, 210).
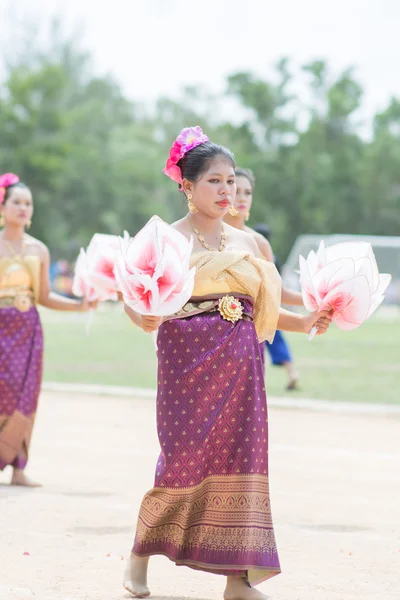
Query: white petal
point(351, 301)
point(309, 293)
point(162, 254)
point(333, 274)
point(321, 256)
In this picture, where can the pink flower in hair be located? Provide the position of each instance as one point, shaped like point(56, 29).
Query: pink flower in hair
point(5, 181)
point(175, 153)
point(173, 171)
point(189, 138)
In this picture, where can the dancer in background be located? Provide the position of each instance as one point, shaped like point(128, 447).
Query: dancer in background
point(24, 283)
point(210, 508)
point(278, 349)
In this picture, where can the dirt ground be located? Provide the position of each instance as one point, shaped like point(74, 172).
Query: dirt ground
point(335, 482)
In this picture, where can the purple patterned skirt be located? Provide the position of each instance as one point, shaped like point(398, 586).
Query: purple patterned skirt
point(21, 359)
point(210, 507)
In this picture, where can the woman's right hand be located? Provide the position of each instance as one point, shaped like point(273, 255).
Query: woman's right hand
point(321, 320)
point(84, 305)
point(149, 323)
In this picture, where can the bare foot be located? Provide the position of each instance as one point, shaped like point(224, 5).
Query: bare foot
point(135, 577)
point(237, 588)
point(19, 478)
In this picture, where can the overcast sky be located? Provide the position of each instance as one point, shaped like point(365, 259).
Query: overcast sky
point(154, 47)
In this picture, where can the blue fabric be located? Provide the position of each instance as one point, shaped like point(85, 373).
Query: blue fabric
point(279, 350)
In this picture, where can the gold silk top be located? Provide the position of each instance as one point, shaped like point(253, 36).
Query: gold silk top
point(239, 272)
point(20, 274)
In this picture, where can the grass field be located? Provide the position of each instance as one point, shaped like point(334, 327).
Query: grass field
point(359, 366)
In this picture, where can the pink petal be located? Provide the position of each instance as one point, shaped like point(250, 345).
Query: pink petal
point(153, 270)
point(333, 274)
point(321, 256)
point(350, 302)
point(309, 293)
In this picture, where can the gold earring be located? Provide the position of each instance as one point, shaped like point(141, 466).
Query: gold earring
point(191, 205)
point(247, 217)
point(28, 225)
point(233, 212)
point(1, 220)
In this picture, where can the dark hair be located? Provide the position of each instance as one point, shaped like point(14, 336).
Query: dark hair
point(264, 229)
point(10, 188)
point(195, 162)
point(248, 174)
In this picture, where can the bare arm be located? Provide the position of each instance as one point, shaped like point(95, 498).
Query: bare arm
point(146, 322)
point(289, 321)
point(291, 297)
point(264, 247)
point(288, 296)
point(50, 299)
point(133, 315)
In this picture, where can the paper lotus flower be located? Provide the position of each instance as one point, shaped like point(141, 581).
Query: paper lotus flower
point(152, 270)
point(343, 278)
point(80, 285)
point(95, 269)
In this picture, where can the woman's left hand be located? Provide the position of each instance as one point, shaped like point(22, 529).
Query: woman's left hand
point(85, 305)
point(94, 304)
point(321, 320)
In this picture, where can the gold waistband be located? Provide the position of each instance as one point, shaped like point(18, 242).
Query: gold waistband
point(229, 307)
point(22, 301)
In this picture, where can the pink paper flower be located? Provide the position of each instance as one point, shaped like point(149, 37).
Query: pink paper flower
point(343, 278)
point(80, 286)
point(189, 138)
point(153, 271)
point(95, 269)
point(5, 181)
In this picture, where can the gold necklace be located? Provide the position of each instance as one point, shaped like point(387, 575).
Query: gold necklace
point(204, 243)
point(11, 250)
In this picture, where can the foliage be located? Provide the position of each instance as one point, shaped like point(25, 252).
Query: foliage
point(93, 158)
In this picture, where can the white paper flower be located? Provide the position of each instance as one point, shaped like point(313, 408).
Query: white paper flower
point(345, 278)
point(152, 270)
point(95, 268)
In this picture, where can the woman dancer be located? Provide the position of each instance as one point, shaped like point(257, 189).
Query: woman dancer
point(24, 282)
point(210, 508)
point(278, 349)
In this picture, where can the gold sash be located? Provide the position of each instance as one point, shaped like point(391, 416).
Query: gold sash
point(19, 281)
point(235, 274)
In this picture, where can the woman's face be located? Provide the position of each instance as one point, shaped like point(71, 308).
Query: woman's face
point(244, 195)
point(18, 208)
point(215, 191)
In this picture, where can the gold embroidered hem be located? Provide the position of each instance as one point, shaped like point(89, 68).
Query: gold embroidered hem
point(222, 525)
point(15, 436)
point(255, 576)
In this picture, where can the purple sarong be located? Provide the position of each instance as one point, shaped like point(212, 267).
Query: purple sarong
point(21, 360)
point(210, 506)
